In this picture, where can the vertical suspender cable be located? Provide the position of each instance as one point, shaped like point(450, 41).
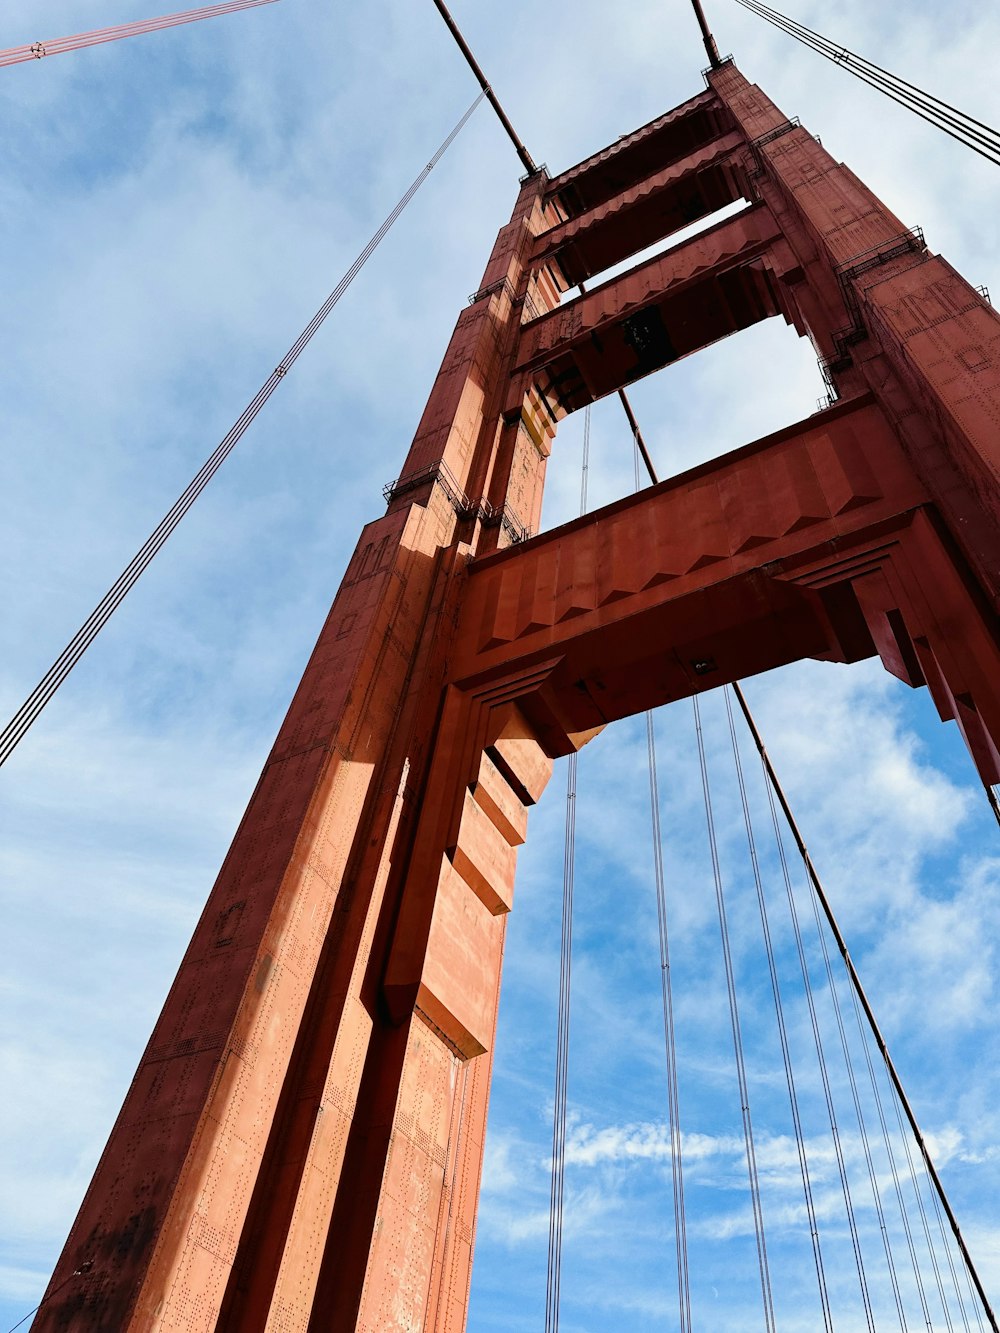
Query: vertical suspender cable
point(553, 1279)
point(853, 1084)
point(673, 1093)
point(921, 1209)
point(585, 462)
point(849, 1065)
point(734, 1017)
point(876, 1031)
point(25, 716)
point(557, 1187)
point(848, 1060)
point(669, 1035)
point(890, 1152)
point(950, 1261)
point(821, 1055)
point(859, 1021)
point(793, 1100)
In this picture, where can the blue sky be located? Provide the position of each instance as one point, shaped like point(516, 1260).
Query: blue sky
point(173, 209)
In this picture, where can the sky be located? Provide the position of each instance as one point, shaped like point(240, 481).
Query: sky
point(172, 211)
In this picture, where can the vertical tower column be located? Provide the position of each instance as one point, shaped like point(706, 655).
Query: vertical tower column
point(213, 1200)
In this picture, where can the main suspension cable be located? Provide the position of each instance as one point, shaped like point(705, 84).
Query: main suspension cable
point(974, 134)
point(22, 720)
point(522, 152)
point(529, 163)
point(82, 1271)
point(903, 1100)
point(706, 34)
point(54, 46)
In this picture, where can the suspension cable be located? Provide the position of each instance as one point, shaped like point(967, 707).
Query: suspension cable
point(779, 1010)
point(82, 1271)
point(522, 152)
point(54, 46)
point(965, 129)
point(890, 1153)
point(856, 1100)
point(849, 1066)
point(886, 1137)
point(876, 1031)
point(669, 1033)
point(922, 1211)
point(670, 1044)
point(734, 1018)
point(553, 1277)
point(529, 163)
point(859, 1021)
point(820, 1046)
point(585, 462)
point(22, 720)
point(706, 34)
point(950, 1261)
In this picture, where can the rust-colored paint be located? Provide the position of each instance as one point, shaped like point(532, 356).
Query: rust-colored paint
point(302, 1145)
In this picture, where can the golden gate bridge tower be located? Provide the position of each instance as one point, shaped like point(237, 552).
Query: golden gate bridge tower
point(302, 1144)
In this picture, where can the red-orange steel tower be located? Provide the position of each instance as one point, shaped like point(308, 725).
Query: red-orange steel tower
point(301, 1147)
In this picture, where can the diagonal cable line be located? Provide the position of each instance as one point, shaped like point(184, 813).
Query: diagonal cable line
point(965, 129)
point(22, 720)
point(818, 1043)
point(901, 1100)
point(54, 46)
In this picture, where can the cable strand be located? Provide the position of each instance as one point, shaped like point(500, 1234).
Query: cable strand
point(26, 715)
point(53, 46)
point(901, 1098)
point(793, 1100)
point(959, 126)
point(734, 1019)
